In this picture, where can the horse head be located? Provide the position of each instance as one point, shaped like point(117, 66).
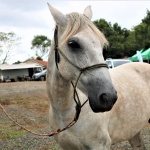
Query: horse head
point(79, 57)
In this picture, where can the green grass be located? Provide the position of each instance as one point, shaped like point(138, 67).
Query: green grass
point(56, 147)
point(51, 146)
point(8, 132)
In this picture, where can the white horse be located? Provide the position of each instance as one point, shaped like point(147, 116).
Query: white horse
point(78, 44)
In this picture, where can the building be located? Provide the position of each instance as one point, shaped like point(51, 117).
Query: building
point(18, 72)
point(42, 63)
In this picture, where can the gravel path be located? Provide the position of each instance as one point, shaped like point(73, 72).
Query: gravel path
point(37, 91)
point(28, 142)
point(31, 142)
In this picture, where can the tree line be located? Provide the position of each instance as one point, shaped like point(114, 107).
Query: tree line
point(122, 42)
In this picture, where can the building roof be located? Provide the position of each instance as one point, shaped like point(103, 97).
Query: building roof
point(44, 63)
point(18, 66)
point(41, 62)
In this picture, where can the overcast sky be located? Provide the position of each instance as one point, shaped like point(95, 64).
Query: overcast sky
point(27, 18)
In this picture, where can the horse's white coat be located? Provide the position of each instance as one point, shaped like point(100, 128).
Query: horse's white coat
point(96, 131)
point(132, 109)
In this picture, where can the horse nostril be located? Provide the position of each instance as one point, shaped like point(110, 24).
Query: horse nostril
point(104, 98)
point(108, 99)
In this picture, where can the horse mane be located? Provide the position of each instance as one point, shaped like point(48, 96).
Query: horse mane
point(76, 22)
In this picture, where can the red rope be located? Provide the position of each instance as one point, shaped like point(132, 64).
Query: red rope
point(51, 134)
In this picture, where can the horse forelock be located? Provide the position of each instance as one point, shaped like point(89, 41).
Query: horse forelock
point(77, 22)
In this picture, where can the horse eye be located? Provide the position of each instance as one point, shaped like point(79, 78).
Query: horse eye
point(73, 44)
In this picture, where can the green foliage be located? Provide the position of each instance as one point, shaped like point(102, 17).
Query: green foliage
point(116, 36)
point(39, 58)
point(41, 45)
point(124, 42)
point(146, 19)
point(142, 32)
point(104, 27)
point(17, 62)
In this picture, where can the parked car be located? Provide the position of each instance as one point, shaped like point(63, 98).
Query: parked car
point(116, 62)
point(41, 76)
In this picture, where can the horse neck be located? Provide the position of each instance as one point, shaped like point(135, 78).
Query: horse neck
point(59, 89)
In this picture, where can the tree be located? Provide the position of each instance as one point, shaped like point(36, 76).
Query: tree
point(17, 62)
point(147, 18)
point(41, 45)
point(104, 26)
point(142, 32)
point(116, 36)
point(130, 44)
point(39, 58)
point(123, 42)
point(7, 43)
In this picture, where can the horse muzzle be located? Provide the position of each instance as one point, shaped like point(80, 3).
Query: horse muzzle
point(103, 102)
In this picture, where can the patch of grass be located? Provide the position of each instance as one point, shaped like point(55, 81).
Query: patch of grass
point(7, 132)
point(56, 147)
point(52, 146)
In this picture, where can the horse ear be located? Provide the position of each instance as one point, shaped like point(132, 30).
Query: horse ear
point(59, 17)
point(88, 12)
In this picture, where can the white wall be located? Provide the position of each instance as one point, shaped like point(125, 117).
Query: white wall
point(13, 73)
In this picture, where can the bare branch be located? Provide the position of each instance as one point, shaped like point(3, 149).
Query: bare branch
point(7, 43)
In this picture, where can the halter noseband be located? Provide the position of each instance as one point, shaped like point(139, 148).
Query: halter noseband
point(81, 70)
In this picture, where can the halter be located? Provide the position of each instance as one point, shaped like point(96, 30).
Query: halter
point(81, 70)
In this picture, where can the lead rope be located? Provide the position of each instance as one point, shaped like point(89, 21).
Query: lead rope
point(78, 110)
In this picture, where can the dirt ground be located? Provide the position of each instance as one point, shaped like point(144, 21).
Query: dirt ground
point(28, 104)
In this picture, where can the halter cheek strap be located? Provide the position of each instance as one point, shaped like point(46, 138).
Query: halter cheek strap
point(57, 57)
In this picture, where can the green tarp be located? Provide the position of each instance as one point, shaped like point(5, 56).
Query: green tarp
point(135, 56)
point(144, 53)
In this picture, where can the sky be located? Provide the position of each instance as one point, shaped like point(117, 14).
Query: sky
point(28, 18)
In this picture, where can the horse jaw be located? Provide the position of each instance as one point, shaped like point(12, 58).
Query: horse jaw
point(88, 12)
point(58, 16)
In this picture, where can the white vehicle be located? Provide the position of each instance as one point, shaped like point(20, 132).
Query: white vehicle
point(112, 63)
point(41, 76)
